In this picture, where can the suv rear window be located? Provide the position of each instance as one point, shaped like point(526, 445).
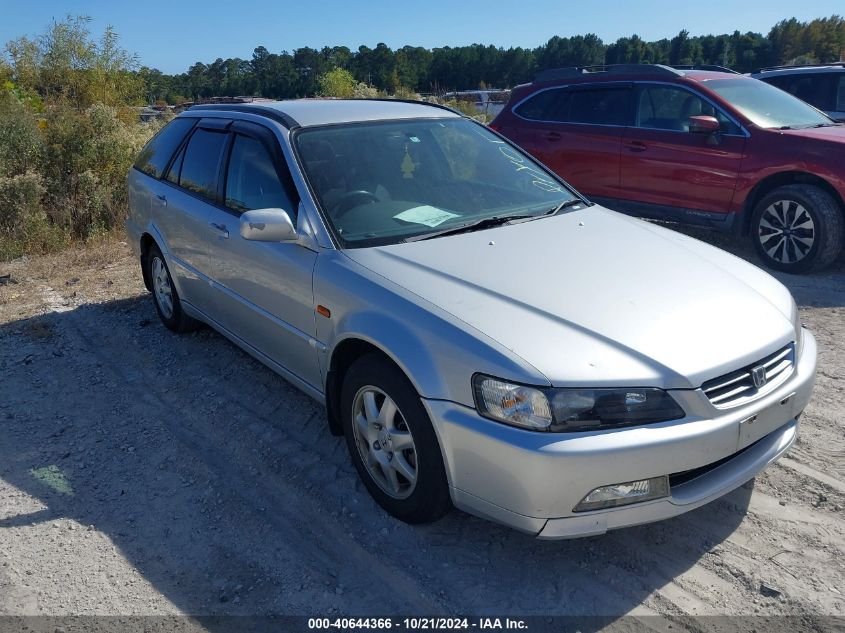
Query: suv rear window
point(156, 154)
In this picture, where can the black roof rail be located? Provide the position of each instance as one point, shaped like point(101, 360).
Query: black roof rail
point(271, 113)
point(787, 66)
point(711, 67)
point(657, 70)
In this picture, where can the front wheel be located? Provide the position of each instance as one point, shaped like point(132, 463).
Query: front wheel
point(798, 228)
point(392, 443)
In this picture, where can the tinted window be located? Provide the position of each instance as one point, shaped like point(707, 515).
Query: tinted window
point(840, 93)
point(544, 106)
point(252, 181)
point(668, 108)
point(156, 154)
point(176, 167)
point(202, 161)
point(605, 106)
point(815, 89)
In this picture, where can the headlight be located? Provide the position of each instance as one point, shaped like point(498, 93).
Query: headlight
point(548, 409)
point(513, 404)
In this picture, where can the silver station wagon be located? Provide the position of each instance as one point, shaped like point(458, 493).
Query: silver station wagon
point(482, 335)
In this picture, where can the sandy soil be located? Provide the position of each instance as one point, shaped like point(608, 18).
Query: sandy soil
point(147, 473)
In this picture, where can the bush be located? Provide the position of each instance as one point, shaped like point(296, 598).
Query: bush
point(86, 157)
point(363, 91)
point(337, 83)
point(20, 139)
point(20, 199)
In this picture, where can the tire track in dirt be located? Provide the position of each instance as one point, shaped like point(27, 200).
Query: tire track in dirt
point(300, 518)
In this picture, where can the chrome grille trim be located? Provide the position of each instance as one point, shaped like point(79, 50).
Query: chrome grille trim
point(737, 387)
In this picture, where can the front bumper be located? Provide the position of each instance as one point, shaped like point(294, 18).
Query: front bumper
point(531, 481)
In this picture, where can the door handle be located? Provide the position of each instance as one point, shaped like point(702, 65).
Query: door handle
point(636, 146)
point(162, 200)
point(221, 229)
point(553, 136)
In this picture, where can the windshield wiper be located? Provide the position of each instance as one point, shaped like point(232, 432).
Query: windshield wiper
point(478, 225)
point(563, 205)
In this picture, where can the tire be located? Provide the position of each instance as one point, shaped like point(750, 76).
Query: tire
point(423, 499)
point(797, 229)
point(170, 312)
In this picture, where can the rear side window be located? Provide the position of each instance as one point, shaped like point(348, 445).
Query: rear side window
point(252, 181)
point(597, 106)
point(543, 106)
point(201, 162)
point(156, 154)
point(603, 106)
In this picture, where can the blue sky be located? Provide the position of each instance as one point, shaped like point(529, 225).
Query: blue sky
point(171, 35)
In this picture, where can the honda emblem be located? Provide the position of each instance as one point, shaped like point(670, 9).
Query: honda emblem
point(758, 375)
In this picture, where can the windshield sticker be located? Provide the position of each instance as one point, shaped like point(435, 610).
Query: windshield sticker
point(425, 215)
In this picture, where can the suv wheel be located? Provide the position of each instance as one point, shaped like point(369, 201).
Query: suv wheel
point(797, 228)
point(392, 442)
point(165, 297)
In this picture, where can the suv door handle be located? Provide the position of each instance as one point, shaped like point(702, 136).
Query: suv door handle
point(636, 146)
point(553, 136)
point(221, 229)
point(162, 199)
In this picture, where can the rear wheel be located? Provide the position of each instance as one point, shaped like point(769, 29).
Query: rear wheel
point(798, 228)
point(392, 443)
point(165, 296)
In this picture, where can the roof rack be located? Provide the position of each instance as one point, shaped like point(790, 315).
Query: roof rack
point(291, 123)
point(786, 66)
point(711, 67)
point(271, 113)
point(442, 106)
point(657, 70)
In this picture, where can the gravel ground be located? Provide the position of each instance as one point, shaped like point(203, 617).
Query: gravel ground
point(144, 473)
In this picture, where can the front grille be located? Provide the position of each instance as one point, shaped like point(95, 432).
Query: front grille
point(738, 387)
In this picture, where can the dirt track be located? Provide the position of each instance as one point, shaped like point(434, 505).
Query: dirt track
point(147, 473)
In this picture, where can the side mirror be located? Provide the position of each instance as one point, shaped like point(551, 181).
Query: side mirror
point(702, 124)
point(267, 225)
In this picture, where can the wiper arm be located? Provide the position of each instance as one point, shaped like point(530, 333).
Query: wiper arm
point(563, 205)
point(484, 223)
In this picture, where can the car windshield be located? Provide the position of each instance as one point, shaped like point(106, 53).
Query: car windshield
point(766, 105)
point(386, 182)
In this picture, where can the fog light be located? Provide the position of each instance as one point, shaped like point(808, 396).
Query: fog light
point(623, 494)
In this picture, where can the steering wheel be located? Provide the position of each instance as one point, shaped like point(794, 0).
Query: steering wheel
point(352, 199)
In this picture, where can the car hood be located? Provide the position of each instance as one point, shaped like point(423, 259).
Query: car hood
point(594, 297)
point(833, 134)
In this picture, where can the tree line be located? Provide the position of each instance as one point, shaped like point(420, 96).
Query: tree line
point(417, 69)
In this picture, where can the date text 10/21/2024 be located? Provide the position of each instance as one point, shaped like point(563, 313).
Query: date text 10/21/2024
point(416, 624)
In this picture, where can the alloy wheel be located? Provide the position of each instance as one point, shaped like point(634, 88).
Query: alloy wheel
point(162, 287)
point(384, 442)
point(786, 231)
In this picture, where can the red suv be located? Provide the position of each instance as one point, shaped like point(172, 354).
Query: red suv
point(698, 146)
